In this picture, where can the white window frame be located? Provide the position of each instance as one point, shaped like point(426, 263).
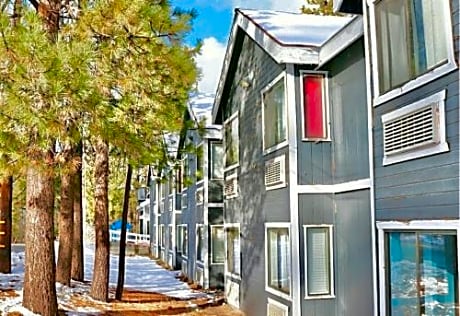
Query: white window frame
point(327, 119)
point(423, 79)
point(162, 231)
point(199, 147)
point(268, 288)
point(416, 225)
point(284, 143)
point(228, 121)
point(198, 226)
point(227, 272)
point(331, 262)
point(211, 163)
point(184, 227)
point(211, 247)
point(440, 147)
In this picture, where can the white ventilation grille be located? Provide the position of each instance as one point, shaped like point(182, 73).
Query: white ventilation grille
point(413, 130)
point(170, 260)
point(232, 293)
point(276, 309)
point(199, 196)
point(275, 172)
point(170, 204)
point(184, 267)
point(231, 187)
point(199, 276)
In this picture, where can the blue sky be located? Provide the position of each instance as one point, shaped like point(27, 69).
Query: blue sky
point(213, 25)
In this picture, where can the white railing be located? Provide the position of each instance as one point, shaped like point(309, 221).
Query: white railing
point(131, 238)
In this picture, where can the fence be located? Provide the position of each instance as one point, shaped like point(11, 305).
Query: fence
point(131, 238)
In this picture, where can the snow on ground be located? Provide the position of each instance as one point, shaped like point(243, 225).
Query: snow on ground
point(141, 274)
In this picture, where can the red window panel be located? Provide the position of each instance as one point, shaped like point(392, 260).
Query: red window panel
point(314, 122)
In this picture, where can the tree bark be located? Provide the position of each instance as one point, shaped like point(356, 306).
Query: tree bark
point(6, 203)
point(39, 276)
point(64, 262)
point(124, 222)
point(77, 272)
point(100, 284)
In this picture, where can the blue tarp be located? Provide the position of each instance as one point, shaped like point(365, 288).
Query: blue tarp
point(116, 225)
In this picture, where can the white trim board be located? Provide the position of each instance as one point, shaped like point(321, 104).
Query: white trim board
point(335, 188)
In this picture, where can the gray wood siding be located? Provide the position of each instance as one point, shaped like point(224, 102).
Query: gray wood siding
point(349, 213)
point(345, 157)
point(254, 206)
point(424, 188)
point(455, 8)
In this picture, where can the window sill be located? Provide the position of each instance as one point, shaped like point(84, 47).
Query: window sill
point(319, 297)
point(233, 276)
point(277, 293)
point(317, 140)
point(231, 167)
point(432, 150)
point(217, 263)
point(275, 147)
point(415, 83)
point(276, 187)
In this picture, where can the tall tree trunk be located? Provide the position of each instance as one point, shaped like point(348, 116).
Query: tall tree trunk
point(6, 203)
point(100, 284)
point(77, 272)
point(65, 228)
point(39, 276)
point(124, 222)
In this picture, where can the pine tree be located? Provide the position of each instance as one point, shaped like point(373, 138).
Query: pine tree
point(319, 7)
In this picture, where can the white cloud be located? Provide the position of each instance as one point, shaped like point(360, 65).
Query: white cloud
point(291, 5)
point(210, 64)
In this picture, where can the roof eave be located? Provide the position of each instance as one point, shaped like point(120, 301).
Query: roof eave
point(282, 54)
point(341, 40)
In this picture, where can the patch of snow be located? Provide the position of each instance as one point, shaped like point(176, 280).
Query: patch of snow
point(141, 273)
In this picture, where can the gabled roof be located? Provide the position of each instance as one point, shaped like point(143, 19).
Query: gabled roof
point(200, 108)
point(289, 38)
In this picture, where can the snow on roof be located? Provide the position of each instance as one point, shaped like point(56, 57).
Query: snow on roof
point(295, 29)
point(200, 107)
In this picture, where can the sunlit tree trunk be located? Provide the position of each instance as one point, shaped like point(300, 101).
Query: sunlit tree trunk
point(100, 284)
point(39, 276)
point(6, 203)
point(66, 226)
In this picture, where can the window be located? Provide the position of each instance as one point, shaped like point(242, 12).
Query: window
point(421, 272)
point(274, 114)
point(315, 125)
point(217, 244)
point(415, 130)
point(200, 242)
point(170, 236)
point(217, 161)
point(185, 172)
point(278, 269)
point(319, 261)
point(182, 239)
point(162, 235)
point(199, 163)
point(412, 38)
point(233, 250)
point(231, 140)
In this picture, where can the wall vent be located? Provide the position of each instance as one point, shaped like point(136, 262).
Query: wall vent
point(275, 308)
point(412, 130)
point(170, 260)
point(232, 293)
point(231, 187)
point(199, 276)
point(184, 267)
point(275, 172)
point(199, 196)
